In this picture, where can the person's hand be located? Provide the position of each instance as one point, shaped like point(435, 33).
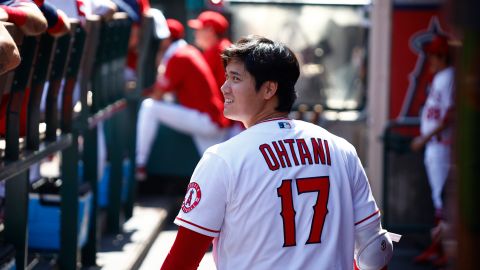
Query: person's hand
point(9, 54)
point(105, 9)
point(63, 25)
point(3, 15)
point(35, 22)
point(418, 143)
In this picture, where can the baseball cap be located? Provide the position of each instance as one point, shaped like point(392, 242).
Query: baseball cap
point(438, 45)
point(161, 27)
point(212, 19)
point(176, 29)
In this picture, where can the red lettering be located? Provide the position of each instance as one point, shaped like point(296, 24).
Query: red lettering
point(327, 151)
point(189, 200)
point(282, 154)
point(270, 157)
point(303, 151)
point(290, 142)
point(318, 153)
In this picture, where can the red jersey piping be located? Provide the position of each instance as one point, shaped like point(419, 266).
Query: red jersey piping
point(193, 224)
point(367, 217)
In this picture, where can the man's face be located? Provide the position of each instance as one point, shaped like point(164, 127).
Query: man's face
point(204, 37)
point(242, 102)
point(435, 62)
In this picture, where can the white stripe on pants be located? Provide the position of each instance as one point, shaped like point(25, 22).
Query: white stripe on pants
point(203, 130)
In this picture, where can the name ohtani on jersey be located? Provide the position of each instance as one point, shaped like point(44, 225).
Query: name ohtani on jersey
point(288, 152)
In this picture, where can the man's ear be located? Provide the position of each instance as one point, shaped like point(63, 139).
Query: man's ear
point(269, 89)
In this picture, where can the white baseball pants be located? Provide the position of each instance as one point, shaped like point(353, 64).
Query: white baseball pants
point(153, 113)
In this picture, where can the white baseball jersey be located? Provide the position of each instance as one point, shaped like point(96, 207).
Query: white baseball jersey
point(437, 152)
point(283, 194)
point(439, 100)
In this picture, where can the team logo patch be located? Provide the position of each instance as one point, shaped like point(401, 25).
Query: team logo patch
point(284, 125)
point(192, 198)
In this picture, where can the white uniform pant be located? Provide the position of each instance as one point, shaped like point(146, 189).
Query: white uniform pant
point(438, 165)
point(153, 113)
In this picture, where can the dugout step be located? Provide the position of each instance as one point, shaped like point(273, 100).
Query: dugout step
point(126, 250)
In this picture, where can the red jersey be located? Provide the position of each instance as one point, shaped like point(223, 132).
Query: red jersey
point(187, 75)
point(212, 55)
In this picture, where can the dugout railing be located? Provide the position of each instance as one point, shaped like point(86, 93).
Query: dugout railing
point(43, 59)
point(90, 58)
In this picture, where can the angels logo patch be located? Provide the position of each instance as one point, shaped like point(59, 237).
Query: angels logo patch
point(192, 198)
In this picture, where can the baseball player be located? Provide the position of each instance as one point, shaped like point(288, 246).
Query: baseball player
point(436, 133)
point(210, 31)
point(283, 194)
point(198, 111)
point(210, 28)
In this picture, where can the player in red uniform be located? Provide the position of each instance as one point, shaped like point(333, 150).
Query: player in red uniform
point(198, 110)
point(210, 30)
point(210, 36)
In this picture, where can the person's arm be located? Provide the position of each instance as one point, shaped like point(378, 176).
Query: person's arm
point(169, 79)
point(420, 141)
point(27, 16)
point(187, 250)
point(369, 234)
point(9, 55)
point(368, 255)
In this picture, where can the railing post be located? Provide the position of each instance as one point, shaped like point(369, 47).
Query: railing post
point(115, 153)
point(90, 174)
point(69, 206)
point(16, 216)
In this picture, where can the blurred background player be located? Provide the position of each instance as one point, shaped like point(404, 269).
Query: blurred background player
point(79, 9)
point(210, 36)
point(198, 108)
point(211, 29)
point(135, 10)
point(436, 135)
point(253, 194)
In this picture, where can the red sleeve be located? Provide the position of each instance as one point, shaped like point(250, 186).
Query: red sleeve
point(174, 75)
point(187, 250)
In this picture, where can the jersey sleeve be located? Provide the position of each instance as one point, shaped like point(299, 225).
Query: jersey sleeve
point(449, 92)
point(365, 207)
point(173, 76)
point(203, 208)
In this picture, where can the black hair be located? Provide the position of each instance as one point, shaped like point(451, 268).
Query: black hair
point(267, 60)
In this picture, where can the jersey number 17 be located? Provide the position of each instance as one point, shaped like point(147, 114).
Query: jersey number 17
point(321, 185)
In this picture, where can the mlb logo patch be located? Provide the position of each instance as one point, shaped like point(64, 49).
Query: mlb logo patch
point(284, 125)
